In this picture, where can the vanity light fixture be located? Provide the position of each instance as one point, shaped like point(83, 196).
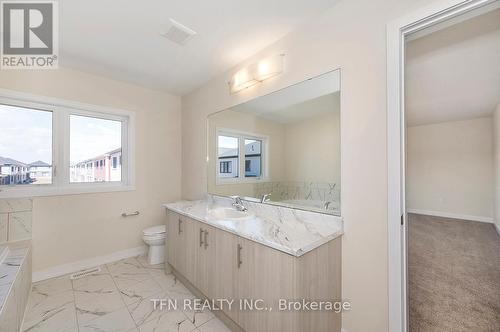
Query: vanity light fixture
point(242, 79)
point(256, 72)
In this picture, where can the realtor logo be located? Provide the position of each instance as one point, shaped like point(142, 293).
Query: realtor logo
point(29, 37)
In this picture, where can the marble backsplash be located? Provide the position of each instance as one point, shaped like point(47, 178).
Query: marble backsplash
point(294, 190)
point(15, 219)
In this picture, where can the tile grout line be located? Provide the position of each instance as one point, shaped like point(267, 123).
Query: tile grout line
point(197, 327)
point(74, 302)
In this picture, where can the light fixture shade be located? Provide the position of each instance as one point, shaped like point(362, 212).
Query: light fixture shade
point(256, 73)
point(242, 80)
point(268, 67)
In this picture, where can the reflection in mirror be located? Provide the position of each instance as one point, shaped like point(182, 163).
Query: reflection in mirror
point(282, 148)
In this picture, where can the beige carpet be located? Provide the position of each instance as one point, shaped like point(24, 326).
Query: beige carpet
point(454, 275)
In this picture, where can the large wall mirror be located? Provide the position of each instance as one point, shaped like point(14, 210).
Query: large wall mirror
point(282, 148)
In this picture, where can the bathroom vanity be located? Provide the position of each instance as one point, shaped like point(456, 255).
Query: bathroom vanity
point(269, 233)
point(258, 257)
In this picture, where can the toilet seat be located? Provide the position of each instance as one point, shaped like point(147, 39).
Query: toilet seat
point(154, 236)
point(155, 230)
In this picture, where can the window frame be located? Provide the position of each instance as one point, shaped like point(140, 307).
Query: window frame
point(61, 111)
point(241, 136)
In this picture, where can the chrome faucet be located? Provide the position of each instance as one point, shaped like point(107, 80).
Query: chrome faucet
point(238, 204)
point(265, 198)
point(327, 204)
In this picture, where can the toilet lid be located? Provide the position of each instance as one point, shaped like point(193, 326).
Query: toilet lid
point(155, 230)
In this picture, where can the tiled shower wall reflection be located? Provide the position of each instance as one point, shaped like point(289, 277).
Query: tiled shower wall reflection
point(15, 219)
point(293, 190)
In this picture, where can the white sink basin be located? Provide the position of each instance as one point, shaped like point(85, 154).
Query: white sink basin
point(230, 214)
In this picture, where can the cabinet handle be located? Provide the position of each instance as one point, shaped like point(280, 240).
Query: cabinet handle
point(239, 255)
point(180, 222)
point(206, 239)
point(201, 237)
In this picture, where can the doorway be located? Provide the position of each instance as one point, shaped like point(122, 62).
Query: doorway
point(426, 21)
point(452, 92)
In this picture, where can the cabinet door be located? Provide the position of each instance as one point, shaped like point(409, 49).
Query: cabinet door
point(185, 248)
point(172, 238)
point(205, 259)
point(269, 275)
point(226, 268)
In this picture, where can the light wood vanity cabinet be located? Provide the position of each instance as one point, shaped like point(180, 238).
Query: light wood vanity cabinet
point(221, 265)
point(205, 255)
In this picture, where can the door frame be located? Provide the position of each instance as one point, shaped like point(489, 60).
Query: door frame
point(397, 31)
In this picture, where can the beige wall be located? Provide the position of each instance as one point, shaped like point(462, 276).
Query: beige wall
point(313, 146)
point(352, 36)
point(75, 227)
point(496, 163)
point(450, 168)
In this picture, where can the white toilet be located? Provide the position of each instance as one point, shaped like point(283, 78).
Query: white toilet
point(155, 237)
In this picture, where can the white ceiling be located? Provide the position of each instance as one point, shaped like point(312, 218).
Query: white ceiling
point(121, 39)
point(454, 74)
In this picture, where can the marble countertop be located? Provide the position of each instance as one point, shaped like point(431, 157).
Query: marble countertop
point(292, 231)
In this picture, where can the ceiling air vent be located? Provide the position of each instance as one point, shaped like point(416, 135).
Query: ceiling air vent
point(178, 33)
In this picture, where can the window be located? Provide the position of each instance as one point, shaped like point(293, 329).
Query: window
point(225, 167)
point(92, 139)
point(56, 147)
point(233, 147)
point(25, 144)
point(228, 153)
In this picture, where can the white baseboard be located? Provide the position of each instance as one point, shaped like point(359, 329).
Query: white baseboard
point(63, 269)
point(451, 215)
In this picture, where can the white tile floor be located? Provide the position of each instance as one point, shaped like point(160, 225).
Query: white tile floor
point(117, 299)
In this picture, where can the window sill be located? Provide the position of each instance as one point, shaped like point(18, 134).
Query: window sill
point(250, 180)
point(61, 191)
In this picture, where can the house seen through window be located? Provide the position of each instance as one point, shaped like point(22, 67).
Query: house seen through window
point(225, 166)
point(95, 141)
point(228, 156)
point(253, 158)
point(25, 146)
